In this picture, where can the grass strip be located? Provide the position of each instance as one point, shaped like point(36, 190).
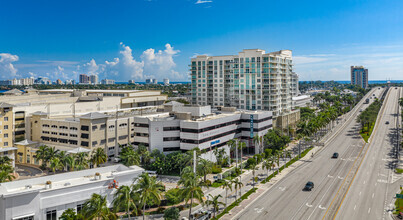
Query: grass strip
point(236, 203)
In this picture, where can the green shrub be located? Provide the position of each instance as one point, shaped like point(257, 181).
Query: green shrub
point(171, 214)
point(216, 169)
point(250, 162)
point(173, 197)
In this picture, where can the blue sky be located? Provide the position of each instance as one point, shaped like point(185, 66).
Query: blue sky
point(134, 39)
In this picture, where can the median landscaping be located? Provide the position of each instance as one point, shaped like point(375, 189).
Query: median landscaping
point(367, 118)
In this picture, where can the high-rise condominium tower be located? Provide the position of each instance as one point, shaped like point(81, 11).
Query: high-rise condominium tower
point(253, 79)
point(359, 76)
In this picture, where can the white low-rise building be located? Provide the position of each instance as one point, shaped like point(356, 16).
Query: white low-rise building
point(49, 196)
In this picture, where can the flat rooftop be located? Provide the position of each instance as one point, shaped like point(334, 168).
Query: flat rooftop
point(65, 180)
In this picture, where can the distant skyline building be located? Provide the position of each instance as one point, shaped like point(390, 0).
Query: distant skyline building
point(359, 76)
point(166, 81)
point(59, 82)
point(151, 81)
point(43, 81)
point(94, 79)
point(108, 82)
point(252, 80)
point(84, 79)
point(132, 81)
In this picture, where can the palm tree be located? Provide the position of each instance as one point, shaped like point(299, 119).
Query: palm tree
point(215, 203)
point(52, 153)
point(70, 162)
point(253, 166)
point(232, 145)
point(268, 164)
point(150, 190)
point(204, 167)
point(5, 160)
point(42, 154)
point(97, 208)
point(258, 142)
point(56, 164)
point(63, 159)
point(98, 156)
point(125, 197)
point(6, 173)
point(81, 160)
point(129, 157)
point(191, 189)
point(237, 184)
point(226, 185)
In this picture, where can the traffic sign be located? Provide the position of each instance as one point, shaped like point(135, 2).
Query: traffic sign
point(399, 196)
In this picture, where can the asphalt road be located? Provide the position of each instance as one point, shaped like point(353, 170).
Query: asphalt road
point(371, 193)
point(287, 200)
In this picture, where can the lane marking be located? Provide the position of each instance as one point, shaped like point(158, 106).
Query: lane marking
point(310, 206)
point(355, 206)
point(369, 210)
point(321, 207)
point(373, 195)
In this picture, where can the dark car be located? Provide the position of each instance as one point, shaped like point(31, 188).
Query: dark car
point(387, 122)
point(335, 155)
point(309, 186)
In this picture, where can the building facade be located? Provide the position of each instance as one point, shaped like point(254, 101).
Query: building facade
point(178, 128)
point(49, 196)
point(359, 76)
point(84, 79)
point(94, 79)
point(251, 80)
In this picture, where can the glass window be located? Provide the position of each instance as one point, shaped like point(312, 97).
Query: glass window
point(51, 215)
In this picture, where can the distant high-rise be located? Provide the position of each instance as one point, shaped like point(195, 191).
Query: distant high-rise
point(94, 79)
point(59, 82)
point(166, 81)
point(84, 79)
point(359, 76)
point(132, 81)
point(151, 81)
point(108, 82)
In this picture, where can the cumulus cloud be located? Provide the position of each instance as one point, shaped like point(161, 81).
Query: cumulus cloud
point(92, 68)
point(151, 63)
point(7, 69)
point(60, 74)
point(161, 63)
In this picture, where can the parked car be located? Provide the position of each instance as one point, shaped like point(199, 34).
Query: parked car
point(308, 186)
point(116, 159)
point(387, 122)
point(335, 155)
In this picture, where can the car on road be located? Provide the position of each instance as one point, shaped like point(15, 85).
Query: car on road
point(335, 155)
point(387, 122)
point(308, 186)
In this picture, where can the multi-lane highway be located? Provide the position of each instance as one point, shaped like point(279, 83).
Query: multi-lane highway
point(371, 193)
point(287, 200)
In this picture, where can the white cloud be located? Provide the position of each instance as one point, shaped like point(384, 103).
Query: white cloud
point(160, 64)
point(203, 1)
point(59, 73)
point(153, 64)
point(91, 68)
point(7, 69)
